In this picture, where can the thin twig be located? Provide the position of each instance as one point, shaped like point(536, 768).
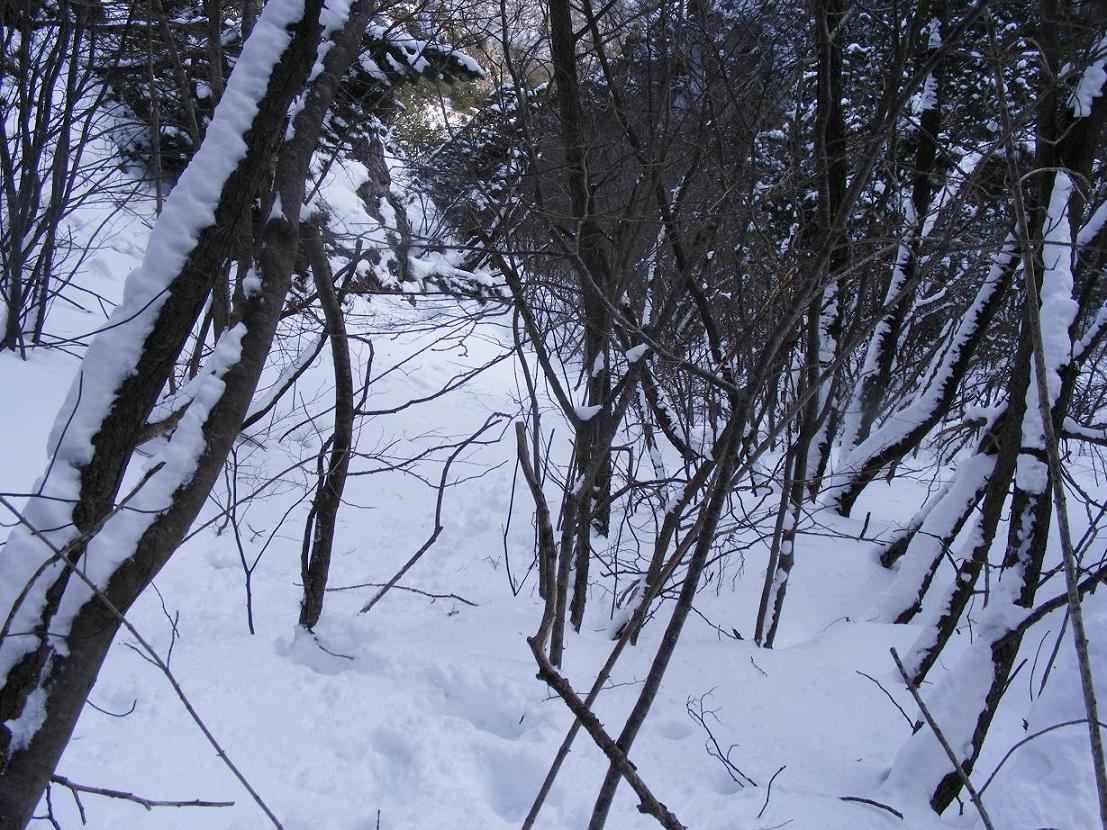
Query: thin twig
point(895, 703)
point(148, 803)
point(872, 803)
point(1027, 740)
point(493, 419)
point(134, 704)
point(50, 810)
point(769, 791)
point(698, 712)
point(406, 588)
point(973, 794)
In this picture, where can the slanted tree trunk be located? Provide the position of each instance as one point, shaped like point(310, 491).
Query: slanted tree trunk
point(1068, 138)
point(46, 679)
point(876, 371)
point(902, 435)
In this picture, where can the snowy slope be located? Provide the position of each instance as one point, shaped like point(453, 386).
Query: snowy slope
point(426, 713)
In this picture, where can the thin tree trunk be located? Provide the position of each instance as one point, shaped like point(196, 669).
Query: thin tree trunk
point(328, 496)
point(712, 512)
point(593, 507)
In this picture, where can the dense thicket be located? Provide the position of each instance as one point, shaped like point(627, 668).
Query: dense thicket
point(747, 248)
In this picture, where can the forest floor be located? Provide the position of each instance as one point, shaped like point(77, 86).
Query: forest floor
point(426, 712)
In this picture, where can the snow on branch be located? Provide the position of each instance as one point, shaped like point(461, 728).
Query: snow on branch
point(1090, 85)
point(114, 355)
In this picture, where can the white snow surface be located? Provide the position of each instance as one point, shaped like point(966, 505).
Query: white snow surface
point(428, 711)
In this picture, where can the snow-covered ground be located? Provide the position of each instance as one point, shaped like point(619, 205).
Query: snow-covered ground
point(426, 712)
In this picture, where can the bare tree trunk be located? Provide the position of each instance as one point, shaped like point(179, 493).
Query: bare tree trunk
point(328, 495)
point(775, 547)
point(712, 512)
point(832, 166)
point(593, 508)
point(824, 314)
point(213, 10)
point(776, 584)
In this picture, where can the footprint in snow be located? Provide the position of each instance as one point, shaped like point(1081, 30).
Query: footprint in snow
point(673, 730)
point(490, 707)
point(511, 778)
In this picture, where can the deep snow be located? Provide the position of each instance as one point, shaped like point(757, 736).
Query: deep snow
point(433, 718)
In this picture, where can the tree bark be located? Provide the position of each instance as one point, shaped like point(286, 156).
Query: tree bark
point(328, 496)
